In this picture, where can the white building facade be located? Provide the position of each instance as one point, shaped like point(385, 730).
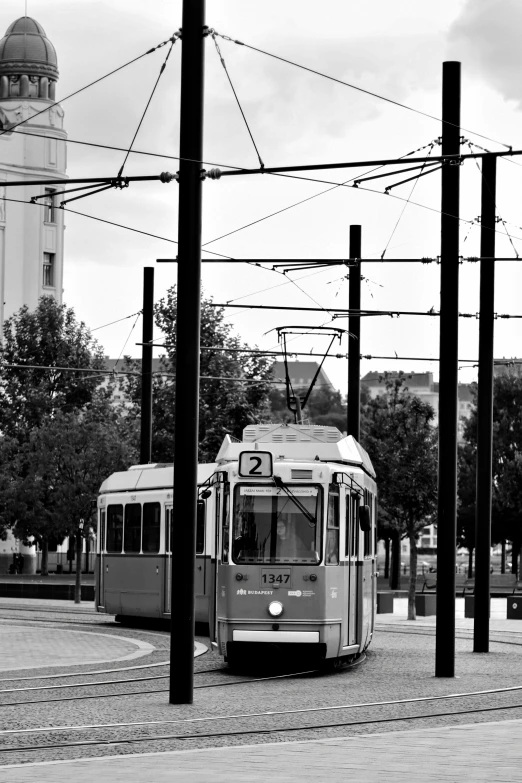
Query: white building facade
point(31, 235)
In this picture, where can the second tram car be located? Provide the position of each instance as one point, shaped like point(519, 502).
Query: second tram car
point(286, 544)
point(136, 543)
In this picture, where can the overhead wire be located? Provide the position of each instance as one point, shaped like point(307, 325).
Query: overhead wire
point(86, 87)
point(355, 87)
point(127, 340)
point(109, 222)
point(405, 206)
point(304, 200)
point(119, 320)
point(220, 55)
point(164, 65)
point(498, 219)
point(382, 193)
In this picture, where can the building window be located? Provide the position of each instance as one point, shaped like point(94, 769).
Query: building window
point(49, 209)
point(48, 270)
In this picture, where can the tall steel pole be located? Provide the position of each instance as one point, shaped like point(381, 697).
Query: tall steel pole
point(146, 366)
point(448, 386)
point(188, 320)
point(354, 343)
point(485, 407)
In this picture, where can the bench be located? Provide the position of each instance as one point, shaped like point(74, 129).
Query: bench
point(499, 585)
point(430, 582)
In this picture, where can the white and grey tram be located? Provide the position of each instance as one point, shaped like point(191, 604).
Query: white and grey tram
point(286, 544)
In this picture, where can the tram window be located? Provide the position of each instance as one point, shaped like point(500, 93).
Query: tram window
point(114, 528)
point(151, 527)
point(332, 536)
point(367, 534)
point(355, 526)
point(269, 527)
point(132, 529)
point(200, 527)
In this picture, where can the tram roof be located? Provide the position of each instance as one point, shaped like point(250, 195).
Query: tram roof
point(298, 442)
point(154, 476)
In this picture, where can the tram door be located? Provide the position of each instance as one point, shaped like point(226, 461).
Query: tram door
point(199, 578)
point(100, 596)
point(167, 582)
point(213, 582)
point(351, 552)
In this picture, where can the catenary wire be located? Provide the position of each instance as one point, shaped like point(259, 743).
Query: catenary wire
point(404, 207)
point(86, 87)
point(164, 65)
point(355, 87)
point(110, 223)
point(125, 318)
point(304, 200)
point(218, 50)
point(388, 195)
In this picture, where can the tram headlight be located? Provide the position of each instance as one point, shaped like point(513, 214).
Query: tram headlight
point(275, 608)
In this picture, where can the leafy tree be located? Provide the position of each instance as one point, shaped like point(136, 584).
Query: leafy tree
point(402, 442)
point(49, 337)
point(324, 406)
point(507, 461)
point(53, 475)
point(226, 406)
point(467, 484)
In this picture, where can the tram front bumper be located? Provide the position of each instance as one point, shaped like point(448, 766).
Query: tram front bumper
point(276, 637)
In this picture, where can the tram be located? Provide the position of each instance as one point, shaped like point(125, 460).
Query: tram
point(296, 544)
point(286, 544)
point(136, 543)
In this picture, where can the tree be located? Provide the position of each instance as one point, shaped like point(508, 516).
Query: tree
point(55, 473)
point(226, 406)
point(507, 460)
point(324, 406)
point(466, 509)
point(49, 337)
point(399, 436)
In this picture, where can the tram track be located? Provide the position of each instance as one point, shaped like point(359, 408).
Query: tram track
point(103, 683)
point(374, 720)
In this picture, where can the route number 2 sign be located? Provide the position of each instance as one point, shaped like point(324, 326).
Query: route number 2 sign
point(255, 464)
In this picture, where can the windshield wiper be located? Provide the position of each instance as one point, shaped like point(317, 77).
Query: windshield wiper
point(278, 481)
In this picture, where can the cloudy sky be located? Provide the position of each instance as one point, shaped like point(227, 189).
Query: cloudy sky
point(393, 49)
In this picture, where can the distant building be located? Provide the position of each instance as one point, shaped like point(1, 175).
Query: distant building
point(422, 385)
point(512, 367)
point(301, 375)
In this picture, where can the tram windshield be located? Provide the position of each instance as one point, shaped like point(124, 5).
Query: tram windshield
point(269, 527)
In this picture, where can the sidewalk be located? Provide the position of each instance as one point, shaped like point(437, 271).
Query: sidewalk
point(478, 753)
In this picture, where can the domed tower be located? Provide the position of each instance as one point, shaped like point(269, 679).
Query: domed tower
point(31, 236)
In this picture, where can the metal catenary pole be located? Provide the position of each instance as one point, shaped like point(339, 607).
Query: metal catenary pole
point(188, 320)
point(354, 343)
point(146, 366)
point(485, 408)
point(448, 388)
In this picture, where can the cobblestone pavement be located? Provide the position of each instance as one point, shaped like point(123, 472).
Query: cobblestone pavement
point(33, 647)
point(399, 665)
point(486, 752)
